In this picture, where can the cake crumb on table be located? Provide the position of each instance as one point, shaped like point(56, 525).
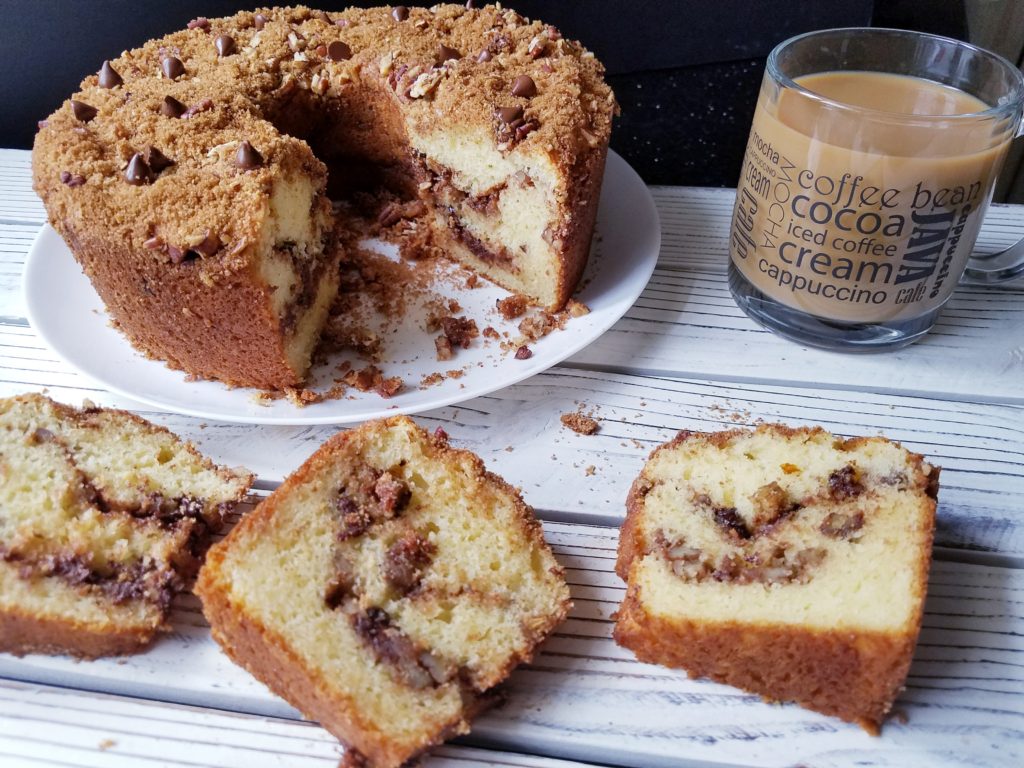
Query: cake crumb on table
point(579, 423)
point(106, 744)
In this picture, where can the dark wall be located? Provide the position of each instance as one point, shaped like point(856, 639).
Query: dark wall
point(686, 73)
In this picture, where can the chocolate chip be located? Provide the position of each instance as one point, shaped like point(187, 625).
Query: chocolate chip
point(172, 67)
point(259, 20)
point(338, 51)
point(83, 112)
point(400, 13)
point(201, 22)
point(247, 157)
point(322, 15)
point(524, 86)
point(485, 55)
point(72, 180)
point(108, 76)
point(225, 45)
point(138, 171)
point(471, 4)
point(510, 114)
point(157, 160)
point(171, 107)
point(524, 353)
point(444, 53)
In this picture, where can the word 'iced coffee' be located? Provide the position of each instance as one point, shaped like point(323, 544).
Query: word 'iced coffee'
point(865, 220)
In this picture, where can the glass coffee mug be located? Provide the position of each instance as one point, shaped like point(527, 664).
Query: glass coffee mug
point(871, 161)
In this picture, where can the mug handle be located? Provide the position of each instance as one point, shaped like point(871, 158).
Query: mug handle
point(999, 267)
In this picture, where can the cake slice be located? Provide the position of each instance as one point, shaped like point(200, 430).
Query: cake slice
point(787, 562)
point(384, 587)
point(103, 518)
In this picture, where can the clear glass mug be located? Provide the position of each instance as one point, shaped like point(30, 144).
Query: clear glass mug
point(855, 218)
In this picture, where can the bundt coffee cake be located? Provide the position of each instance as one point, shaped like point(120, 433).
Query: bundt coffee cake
point(384, 588)
point(188, 176)
point(103, 518)
point(787, 562)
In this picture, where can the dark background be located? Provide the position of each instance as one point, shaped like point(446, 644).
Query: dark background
point(686, 72)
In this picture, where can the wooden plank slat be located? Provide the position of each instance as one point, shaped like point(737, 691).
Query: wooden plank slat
point(518, 433)
point(585, 698)
point(49, 726)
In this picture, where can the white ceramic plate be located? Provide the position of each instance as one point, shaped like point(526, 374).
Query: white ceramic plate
point(66, 312)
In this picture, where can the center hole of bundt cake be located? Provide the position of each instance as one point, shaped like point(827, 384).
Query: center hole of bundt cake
point(358, 133)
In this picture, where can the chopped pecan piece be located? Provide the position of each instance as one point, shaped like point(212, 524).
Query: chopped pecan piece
point(842, 526)
point(406, 560)
point(845, 483)
point(392, 493)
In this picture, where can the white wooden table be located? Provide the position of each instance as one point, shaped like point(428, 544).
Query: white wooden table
point(683, 357)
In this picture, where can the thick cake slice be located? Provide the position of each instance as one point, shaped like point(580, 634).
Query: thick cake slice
point(103, 517)
point(384, 587)
point(787, 562)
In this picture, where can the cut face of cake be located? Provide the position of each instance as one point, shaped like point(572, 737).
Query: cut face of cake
point(103, 518)
point(384, 587)
point(787, 562)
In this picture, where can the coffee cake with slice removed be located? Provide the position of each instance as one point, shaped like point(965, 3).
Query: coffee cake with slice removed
point(103, 518)
point(787, 562)
point(384, 588)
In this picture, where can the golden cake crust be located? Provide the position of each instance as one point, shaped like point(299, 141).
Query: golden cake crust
point(853, 675)
point(170, 256)
point(21, 633)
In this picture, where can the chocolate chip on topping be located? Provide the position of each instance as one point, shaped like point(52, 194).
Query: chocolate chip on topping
point(201, 22)
point(338, 51)
point(138, 171)
point(444, 53)
point(259, 20)
point(400, 13)
point(485, 55)
point(510, 114)
point(157, 160)
point(247, 157)
point(83, 112)
point(108, 76)
point(471, 4)
point(172, 67)
point(171, 107)
point(225, 45)
point(524, 86)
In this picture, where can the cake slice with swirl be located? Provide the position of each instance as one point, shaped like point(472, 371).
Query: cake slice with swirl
point(384, 588)
point(787, 562)
point(103, 518)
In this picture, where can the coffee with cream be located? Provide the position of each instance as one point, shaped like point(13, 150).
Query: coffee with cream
point(867, 217)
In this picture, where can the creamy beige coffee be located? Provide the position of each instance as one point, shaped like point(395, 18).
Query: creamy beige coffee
point(866, 217)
